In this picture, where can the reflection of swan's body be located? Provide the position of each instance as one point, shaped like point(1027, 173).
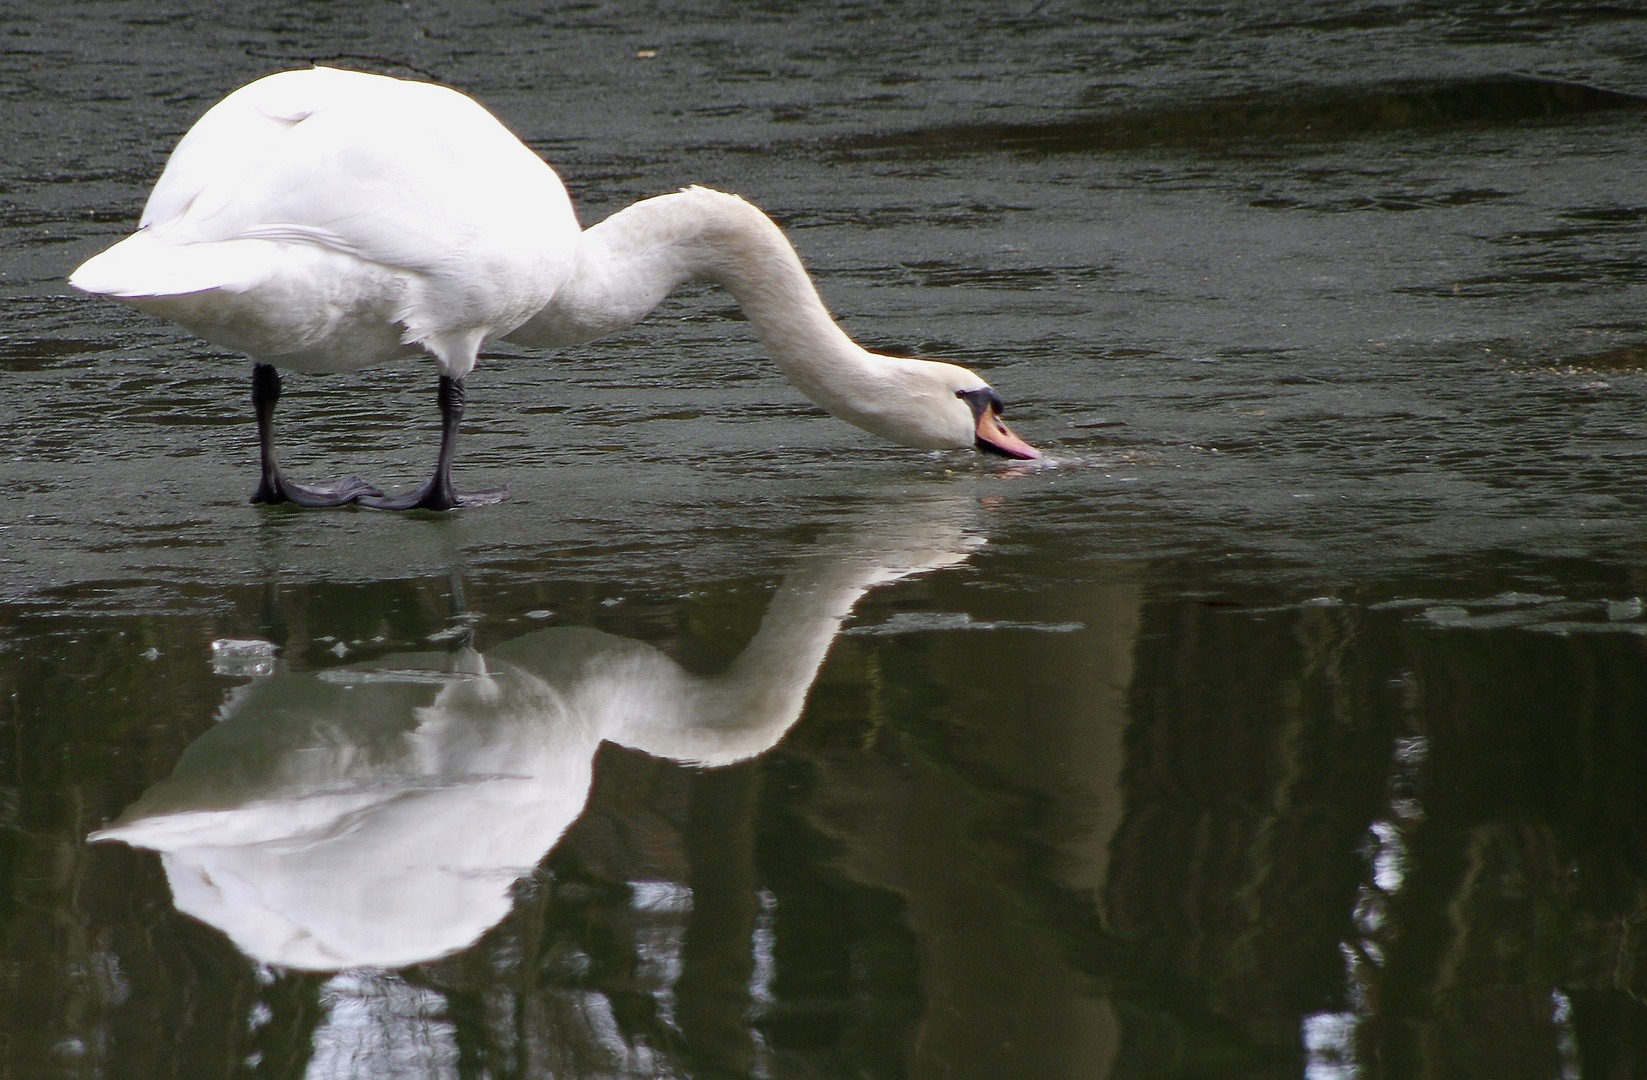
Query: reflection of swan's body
point(325, 220)
point(378, 815)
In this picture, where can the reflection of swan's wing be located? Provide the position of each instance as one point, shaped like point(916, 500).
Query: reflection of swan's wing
point(366, 816)
point(295, 736)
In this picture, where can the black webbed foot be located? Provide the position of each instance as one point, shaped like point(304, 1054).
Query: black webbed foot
point(435, 496)
point(277, 489)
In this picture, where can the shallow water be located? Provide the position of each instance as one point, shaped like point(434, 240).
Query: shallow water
point(1287, 721)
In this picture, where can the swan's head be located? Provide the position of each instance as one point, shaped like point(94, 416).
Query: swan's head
point(933, 406)
point(989, 434)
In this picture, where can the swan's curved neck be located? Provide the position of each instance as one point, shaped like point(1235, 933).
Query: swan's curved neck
point(627, 265)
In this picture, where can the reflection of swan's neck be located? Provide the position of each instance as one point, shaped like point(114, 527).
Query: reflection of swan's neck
point(777, 668)
point(629, 263)
point(746, 710)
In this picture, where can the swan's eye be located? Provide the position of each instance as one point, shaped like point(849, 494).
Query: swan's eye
point(982, 400)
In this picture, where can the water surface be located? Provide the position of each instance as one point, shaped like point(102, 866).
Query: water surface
point(1286, 722)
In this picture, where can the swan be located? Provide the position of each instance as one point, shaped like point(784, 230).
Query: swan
point(323, 220)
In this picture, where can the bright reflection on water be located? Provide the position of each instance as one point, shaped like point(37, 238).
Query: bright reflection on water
point(1287, 722)
point(378, 1025)
point(378, 814)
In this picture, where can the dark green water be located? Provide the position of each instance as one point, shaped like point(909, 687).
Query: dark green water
point(1288, 722)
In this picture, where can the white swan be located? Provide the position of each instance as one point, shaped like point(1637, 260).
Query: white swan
point(324, 220)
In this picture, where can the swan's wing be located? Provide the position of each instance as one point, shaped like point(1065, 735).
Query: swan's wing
point(221, 147)
point(409, 175)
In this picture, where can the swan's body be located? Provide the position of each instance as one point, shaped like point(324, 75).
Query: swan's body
point(326, 220)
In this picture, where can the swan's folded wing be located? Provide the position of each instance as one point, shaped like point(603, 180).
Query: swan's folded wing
point(408, 175)
point(232, 138)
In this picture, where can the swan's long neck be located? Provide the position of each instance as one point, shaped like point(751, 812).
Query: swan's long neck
point(630, 262)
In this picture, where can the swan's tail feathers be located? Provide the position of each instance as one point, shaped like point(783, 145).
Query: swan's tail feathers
point(141, 265)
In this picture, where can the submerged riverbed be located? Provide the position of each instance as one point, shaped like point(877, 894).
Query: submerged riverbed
point(1285, 721)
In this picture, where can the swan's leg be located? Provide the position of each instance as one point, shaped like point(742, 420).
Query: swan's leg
point(438, 493)
point(274, 488)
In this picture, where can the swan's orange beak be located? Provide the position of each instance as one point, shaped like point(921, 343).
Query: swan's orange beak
point(989, 434)
point(995, 438)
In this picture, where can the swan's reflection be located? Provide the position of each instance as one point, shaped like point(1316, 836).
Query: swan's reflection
point(378, 814)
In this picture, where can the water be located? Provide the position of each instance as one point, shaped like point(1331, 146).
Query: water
point(1287, 723)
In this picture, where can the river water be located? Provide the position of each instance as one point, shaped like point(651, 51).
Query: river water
point(1286, 721)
